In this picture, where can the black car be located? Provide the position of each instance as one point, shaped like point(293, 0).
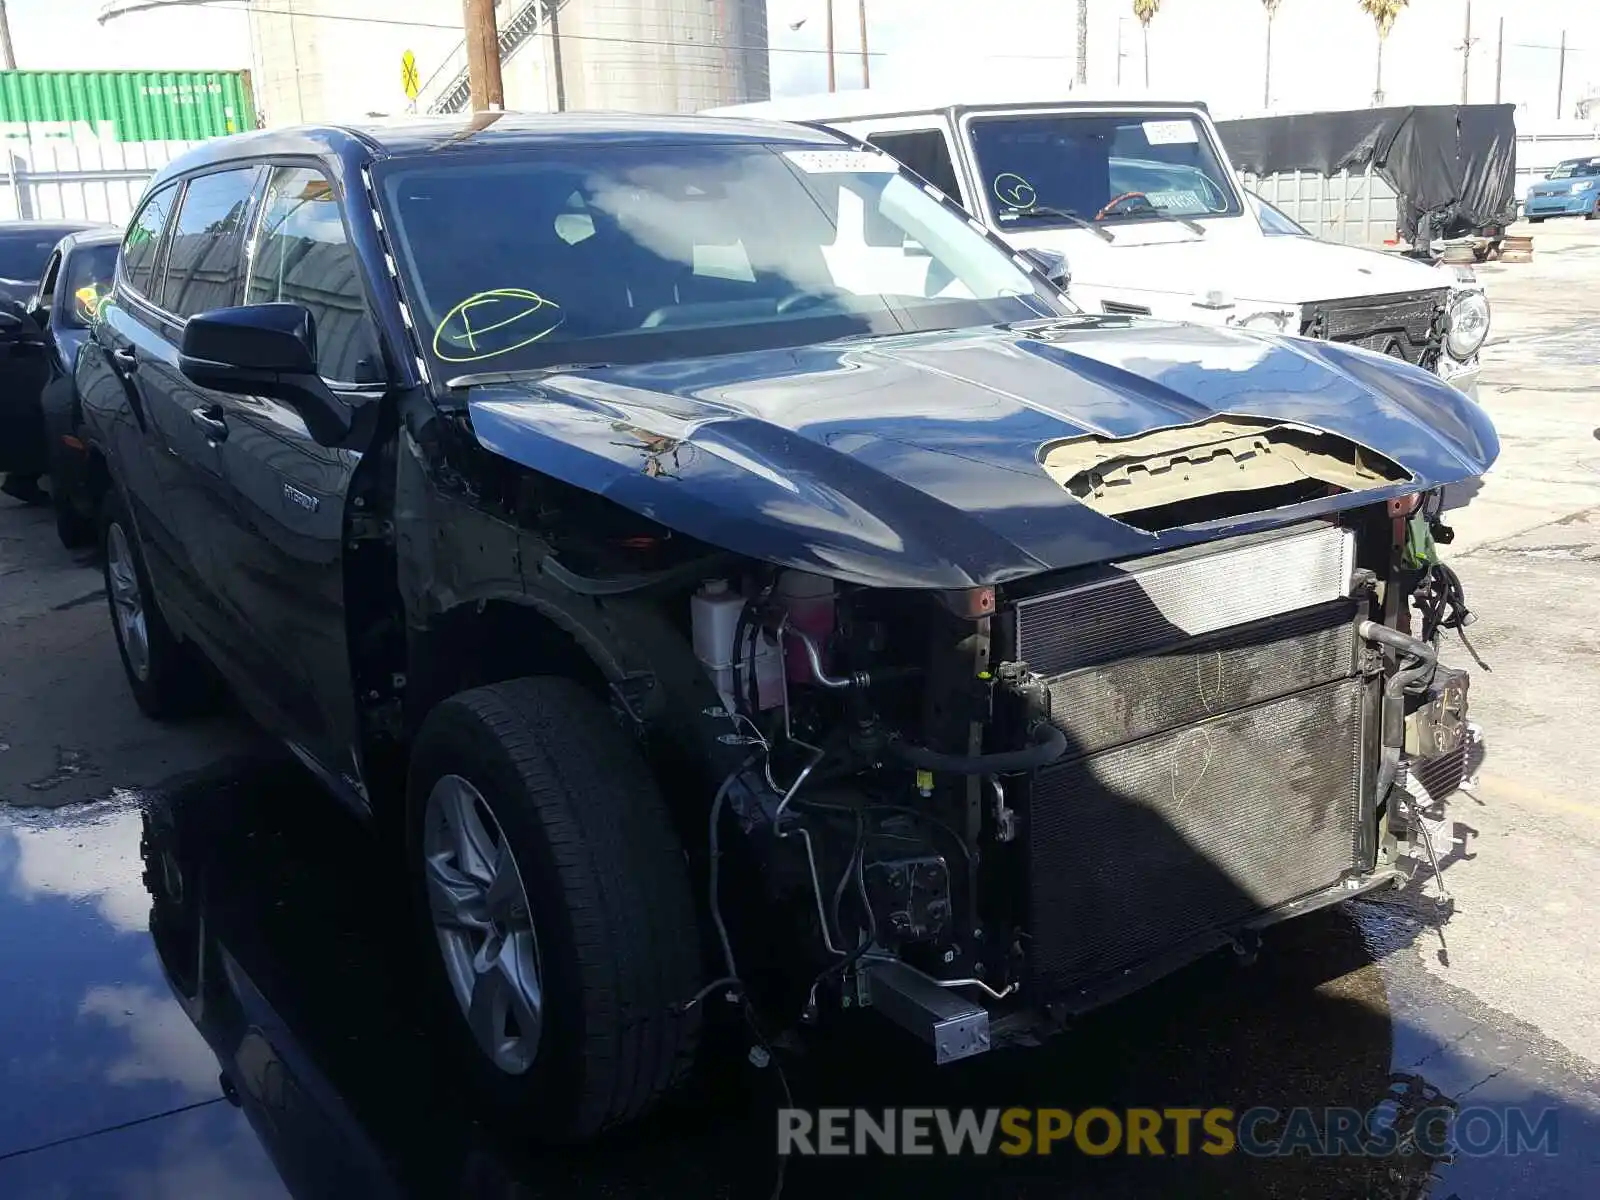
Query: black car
point(76, 279)
point(26, 248)
point(740, 577)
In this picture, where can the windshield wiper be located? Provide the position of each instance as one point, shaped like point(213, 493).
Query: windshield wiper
point(1061, 214)
point(1195, 226)
point(485, 378)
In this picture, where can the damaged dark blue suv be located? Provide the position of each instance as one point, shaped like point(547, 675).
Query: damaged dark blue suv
point(741, 577)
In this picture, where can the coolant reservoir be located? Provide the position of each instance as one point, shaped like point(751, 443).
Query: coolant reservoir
point(809, 601)
point(714, 616)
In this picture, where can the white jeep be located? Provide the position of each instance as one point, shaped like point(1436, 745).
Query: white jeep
point(1139, 198)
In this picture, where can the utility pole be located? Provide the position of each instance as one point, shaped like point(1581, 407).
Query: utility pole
point(866, 69)
point(1466, 54)
point(1500, 61)
point(8, 59)
point(483, 56)
point(552, 14)
point(833, 80)
point(1083, 42)
point(1561, 80)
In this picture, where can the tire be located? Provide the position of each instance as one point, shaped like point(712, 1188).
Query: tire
point(73, 528)
point(608, 906)
point(1535, 220)
point(167, 679)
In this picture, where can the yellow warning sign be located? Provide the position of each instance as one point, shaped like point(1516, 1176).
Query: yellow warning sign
point(408, 75)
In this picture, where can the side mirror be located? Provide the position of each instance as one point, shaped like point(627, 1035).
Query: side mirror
point(265, 350)
point(1053, 263)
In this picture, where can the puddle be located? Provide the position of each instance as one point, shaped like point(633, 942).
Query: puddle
point(224, 978)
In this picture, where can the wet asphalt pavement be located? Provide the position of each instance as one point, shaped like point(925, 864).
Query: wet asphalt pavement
point(211, 997)
point(206, 967)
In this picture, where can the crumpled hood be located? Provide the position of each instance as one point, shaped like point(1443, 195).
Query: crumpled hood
point(914, 460)
point(1248, 266)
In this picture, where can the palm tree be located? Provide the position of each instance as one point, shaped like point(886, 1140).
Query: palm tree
point(1272, 11)
point(1083, 42)
point(1145, 10)
point(1383, 13)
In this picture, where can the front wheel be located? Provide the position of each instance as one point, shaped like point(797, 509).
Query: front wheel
point(168, 679)
point(556, 900)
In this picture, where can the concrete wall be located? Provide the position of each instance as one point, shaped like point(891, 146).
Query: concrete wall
point(656, 56)
point(320, 69)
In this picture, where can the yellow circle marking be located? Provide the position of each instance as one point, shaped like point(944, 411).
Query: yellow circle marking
point(1014, 190)
point(448, 341)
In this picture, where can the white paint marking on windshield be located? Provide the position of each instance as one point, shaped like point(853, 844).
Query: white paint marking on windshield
point(835, 162)
point(1170, 133)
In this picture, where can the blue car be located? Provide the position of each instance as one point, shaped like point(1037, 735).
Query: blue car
point(1571, 190)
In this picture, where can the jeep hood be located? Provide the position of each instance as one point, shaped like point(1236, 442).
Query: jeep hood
point(1249, 267)
point(920, 460)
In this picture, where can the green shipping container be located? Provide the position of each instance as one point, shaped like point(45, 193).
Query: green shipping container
point(126, 106)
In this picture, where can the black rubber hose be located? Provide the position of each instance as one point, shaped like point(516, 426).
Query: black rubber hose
point(1046, 743)
point(1424, 659)
point(622, 585)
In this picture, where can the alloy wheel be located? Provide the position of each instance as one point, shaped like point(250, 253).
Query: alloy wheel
point(484, 924)
point(127, 602)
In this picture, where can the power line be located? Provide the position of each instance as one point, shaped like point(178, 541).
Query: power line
point(239, 6)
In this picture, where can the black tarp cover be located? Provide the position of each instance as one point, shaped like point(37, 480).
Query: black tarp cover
point(1454, 164)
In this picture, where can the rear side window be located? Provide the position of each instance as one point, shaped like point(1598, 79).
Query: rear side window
point(207, 243)
point(926, 152)
point(143, 240)
point(302, 256)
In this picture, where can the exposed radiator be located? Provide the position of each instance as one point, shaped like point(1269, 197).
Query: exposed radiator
point(1141, 849)
point(1131, 698)
point(1157, 601)
point(1219, 749)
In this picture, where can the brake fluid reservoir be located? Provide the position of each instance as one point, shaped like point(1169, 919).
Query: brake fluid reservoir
point(809, 601)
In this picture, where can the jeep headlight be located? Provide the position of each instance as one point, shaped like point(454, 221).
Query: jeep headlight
point(1583, 185)
point(1469, 324)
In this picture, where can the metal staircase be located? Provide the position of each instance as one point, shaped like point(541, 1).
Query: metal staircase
point(524, 24)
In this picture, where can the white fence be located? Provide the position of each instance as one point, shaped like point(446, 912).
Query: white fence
point(78, 180)
point(1354, 207)
point(1539, 151)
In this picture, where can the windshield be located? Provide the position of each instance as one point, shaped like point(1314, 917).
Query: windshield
point(89, 273)
point(1576, 168)
point(1108, 168)
point(630, 254)
point(24, 252)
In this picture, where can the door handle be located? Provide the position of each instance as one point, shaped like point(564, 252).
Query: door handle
point(124, 360)
point(209, 418)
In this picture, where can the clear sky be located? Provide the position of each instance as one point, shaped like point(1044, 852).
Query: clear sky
point(1323, 56)
point(1324, 51)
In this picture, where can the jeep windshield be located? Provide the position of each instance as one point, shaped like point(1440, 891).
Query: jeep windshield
point(514, 261)
point(1110, 168)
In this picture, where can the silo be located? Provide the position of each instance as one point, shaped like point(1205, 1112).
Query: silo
point(642, 56)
